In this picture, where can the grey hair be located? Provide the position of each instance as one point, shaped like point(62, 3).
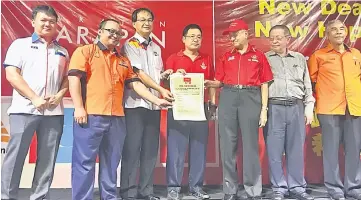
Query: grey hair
point(334, 21)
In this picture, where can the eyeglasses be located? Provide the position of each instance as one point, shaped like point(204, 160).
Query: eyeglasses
point(143, 21)
point(112, 31)
point(193, 37)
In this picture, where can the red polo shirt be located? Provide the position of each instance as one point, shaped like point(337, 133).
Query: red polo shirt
point(250, 68)
point(202, 64)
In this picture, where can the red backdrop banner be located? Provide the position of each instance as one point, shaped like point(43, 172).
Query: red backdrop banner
point(79, 20)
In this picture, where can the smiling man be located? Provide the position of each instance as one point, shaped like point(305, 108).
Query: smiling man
point(244, 73)
point(290, 109)
point(335, 71)
point(36, 68)
point(185, 133)
point(98, 75)
point(142, 140)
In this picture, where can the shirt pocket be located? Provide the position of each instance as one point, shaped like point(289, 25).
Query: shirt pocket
point(157, 65)
point(60, 61)
point(157, 61)
point(297, 72)
point(57, 66)
point(121, 70)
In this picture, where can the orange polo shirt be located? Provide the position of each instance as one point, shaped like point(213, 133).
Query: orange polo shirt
point(337, 78)
point(103, 75)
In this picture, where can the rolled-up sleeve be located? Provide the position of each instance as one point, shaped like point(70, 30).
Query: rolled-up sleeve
point(79, 62)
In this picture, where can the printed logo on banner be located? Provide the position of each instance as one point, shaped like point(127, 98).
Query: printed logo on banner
point(317, 138)
point(317, 144)
point(66, 142)
point(5, 137)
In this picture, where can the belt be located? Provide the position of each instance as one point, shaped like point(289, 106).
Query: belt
point(246, 87)
point(288, 102)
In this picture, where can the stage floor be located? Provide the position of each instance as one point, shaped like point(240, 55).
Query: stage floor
point(215, 192)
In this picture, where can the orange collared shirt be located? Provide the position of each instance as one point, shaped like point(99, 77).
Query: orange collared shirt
point(103, 77)
point(337, 78)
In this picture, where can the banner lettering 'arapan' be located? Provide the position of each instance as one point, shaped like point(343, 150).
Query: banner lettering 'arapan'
point(78, 21)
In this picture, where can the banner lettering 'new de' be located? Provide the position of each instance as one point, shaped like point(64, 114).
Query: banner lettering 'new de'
point(78, 23)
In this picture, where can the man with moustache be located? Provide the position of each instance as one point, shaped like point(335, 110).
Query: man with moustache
point(290, 109)
point(335, 73)
point(36, 68)
point(244, 73)
point(194, 133)
point(142, 141)
point(98, 75)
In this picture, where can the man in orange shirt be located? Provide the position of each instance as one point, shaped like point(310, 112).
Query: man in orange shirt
point(335, 72)
point(97, 76)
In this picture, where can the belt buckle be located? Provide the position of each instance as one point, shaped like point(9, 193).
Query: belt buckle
point(290, 102)
point(239, 86)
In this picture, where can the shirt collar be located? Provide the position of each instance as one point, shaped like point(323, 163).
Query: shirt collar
point(36, 38)
point(329, 47)
point(250, 48)
point(181, 53)
point(104, 48)
point(142, 40)
point(289, 53)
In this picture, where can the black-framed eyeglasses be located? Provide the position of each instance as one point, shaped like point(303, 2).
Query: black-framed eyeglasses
point(146, 20)
point(193, 37)
point(114, 32)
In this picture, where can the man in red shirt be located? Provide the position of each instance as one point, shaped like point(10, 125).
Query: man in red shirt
point(244, 73)
point(180, 133)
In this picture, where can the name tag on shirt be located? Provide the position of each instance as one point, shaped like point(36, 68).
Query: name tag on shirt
point(230, 58)
point(122, 63)
point(253, 59)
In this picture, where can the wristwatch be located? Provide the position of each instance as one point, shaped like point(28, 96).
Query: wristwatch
point(211, 105)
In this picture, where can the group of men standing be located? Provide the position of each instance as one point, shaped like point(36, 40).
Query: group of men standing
point(117, 103)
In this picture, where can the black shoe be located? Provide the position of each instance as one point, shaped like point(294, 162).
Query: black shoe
point(337, 196)
point(354, 196)
point(278, 196)
point(199, 193)
point(148, 197)
point(302, 196)
point(173, 195)
point(230, 197)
